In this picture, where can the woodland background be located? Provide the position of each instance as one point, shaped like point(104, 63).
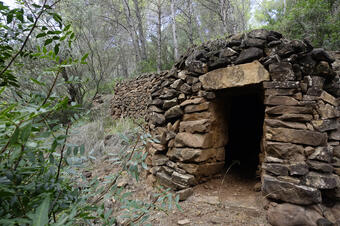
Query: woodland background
point(127, 37)
point(58, 56)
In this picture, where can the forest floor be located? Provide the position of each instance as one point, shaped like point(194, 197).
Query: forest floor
point(233, 202)
point(227, 199)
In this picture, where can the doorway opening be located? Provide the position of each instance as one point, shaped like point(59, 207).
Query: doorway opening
point(242, 109)
point(245, 116)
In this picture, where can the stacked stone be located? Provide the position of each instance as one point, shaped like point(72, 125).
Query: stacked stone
point(301, 156)
point(186, 148)
point(132, 96)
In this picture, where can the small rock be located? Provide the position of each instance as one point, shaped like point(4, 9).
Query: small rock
point(213, 200)
point(122, 183)
point(174, 112)
point(257, 187)
point(182, 75)
point(320, 54)
point(249, 55)
point(184, 222)
point(169, 103)
point(185, 194)
point(324, 222)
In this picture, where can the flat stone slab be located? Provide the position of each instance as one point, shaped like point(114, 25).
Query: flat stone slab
point(235, 76)
point(288, 192)
point(294, 136)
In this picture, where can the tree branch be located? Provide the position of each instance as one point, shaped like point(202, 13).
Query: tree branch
point(26, 40)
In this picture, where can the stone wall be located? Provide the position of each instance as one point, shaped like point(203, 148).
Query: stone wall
point(300, 160)
point(131, 96)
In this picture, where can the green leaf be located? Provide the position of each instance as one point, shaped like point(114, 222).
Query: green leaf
point(82, 149)
point(37, 82)
point(26, 132)
point(63, 38)
point(30, 18)
point(52, 160)
point(145, 166)
point(67, 27)
point(2, 90)
point(56, 49)
point(68, 152)
point(40, 35)
point(36, 5)
point(41, 214)
point(20, 15)
point(48, 41)
point(14, 137)
point(57, 18)
point(75, 150)
point(9, 18)
point(84, 57)
point(72, 36)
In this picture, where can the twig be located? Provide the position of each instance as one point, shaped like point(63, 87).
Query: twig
point(53, 85)
point(20, 157)
point(232, 164)
point(26, 40)
point(143, 214)
point(119, 174)
point(7, 144)
point(62, 152)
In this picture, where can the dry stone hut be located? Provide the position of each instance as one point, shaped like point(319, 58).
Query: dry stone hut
point(269, 102)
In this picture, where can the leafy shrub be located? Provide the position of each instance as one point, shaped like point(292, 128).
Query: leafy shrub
point(38, 183)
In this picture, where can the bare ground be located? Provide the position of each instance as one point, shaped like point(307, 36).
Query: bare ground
point(231, 202)
point(227, 199)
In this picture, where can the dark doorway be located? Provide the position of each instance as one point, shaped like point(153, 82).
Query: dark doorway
point(245, 116)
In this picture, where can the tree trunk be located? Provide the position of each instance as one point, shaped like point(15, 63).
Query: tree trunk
point(132, 30)
point(284, 7)
point(196, 20)
point(174, 31)
point(123, 63)
point(191, 24)
point(140, 30)
point(223, 13)
point(159, 38)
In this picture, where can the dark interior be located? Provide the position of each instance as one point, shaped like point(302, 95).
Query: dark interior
point(245, 115)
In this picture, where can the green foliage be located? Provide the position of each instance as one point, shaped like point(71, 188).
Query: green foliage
point(39, 181)
point(145, 66)
point(109, 86)
point(316, 20)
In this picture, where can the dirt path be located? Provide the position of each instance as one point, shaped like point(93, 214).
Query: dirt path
point(227, 199)
point(232, 203)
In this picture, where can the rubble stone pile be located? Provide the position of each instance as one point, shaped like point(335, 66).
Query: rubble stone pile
point(131, 96)
point(300, 155)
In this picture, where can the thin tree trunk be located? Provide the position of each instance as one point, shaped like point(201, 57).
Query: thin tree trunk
point(123, 63)
point(191, 23)
point(223, 13)
point(140, 30)
point(72, 91)
point(196, 20)
point(174, 31)
point(132, 30)
point(284, 7)
point(159, 34)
